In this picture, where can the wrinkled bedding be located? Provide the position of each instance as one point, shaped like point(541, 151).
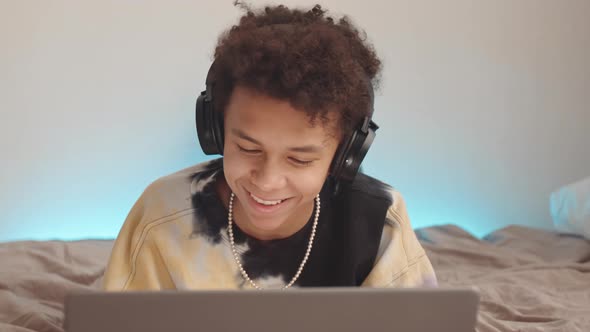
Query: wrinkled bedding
point(35, 277)
point(529, 279)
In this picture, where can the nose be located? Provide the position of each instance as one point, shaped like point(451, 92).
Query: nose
point(268, 177)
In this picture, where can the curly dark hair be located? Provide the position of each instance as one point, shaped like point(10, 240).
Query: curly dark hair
point(305, 57)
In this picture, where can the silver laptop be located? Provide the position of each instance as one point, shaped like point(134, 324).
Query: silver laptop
point(297, 310)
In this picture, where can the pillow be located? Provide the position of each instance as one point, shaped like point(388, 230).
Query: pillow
point(570, 208)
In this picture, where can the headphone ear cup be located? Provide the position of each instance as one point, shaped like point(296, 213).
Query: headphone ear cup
point(217, 126)
point(209, 126)
point(340, 156)
point(350, 154)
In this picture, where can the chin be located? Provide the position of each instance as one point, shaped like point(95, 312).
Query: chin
point(265, 222)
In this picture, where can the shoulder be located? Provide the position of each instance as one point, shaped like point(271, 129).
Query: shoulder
point(359, 210)
point(365, 196)
point(401, 259)
point(158, 223)
point(369, 186)
point(168, 198)
point(372, 194)
point(190, 179)
point(173, 192)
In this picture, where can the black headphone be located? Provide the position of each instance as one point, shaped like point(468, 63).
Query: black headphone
point(348, 157)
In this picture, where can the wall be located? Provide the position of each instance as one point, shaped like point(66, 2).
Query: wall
point(483, 106)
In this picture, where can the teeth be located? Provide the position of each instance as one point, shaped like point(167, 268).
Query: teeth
point(261, 201)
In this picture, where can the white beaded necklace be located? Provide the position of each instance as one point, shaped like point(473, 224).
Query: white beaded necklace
point(235, 253)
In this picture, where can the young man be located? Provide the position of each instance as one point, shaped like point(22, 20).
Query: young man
point(288, 104)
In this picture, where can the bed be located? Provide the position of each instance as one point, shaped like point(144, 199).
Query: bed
point(529, 279)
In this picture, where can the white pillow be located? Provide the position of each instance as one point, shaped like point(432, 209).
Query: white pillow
point(570, 208)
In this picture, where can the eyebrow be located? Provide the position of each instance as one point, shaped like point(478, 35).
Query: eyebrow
point(303, 149)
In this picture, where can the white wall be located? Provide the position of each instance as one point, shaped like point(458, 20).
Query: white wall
point(483, 106)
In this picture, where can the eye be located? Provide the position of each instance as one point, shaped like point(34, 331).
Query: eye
point(247, 150)
point(301, 162)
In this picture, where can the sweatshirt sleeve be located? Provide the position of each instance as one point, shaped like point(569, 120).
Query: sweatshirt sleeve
point(401, 261)
point(135, 262)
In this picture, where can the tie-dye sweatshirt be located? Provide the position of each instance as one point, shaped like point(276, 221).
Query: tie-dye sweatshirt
point(175, 237)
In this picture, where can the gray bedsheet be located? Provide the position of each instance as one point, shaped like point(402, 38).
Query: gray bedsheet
point(35, 277)
point(529, 280)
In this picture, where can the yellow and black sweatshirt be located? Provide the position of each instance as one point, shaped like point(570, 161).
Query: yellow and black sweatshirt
point(175, 237)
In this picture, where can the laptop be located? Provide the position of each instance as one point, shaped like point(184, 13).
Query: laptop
point(296, 310)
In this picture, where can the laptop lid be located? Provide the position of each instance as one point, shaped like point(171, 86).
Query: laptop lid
point(303, 309)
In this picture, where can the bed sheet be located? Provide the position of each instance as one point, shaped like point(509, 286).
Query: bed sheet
point(528, 279)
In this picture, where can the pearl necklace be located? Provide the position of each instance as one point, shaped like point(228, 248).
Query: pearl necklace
point(235, 253)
